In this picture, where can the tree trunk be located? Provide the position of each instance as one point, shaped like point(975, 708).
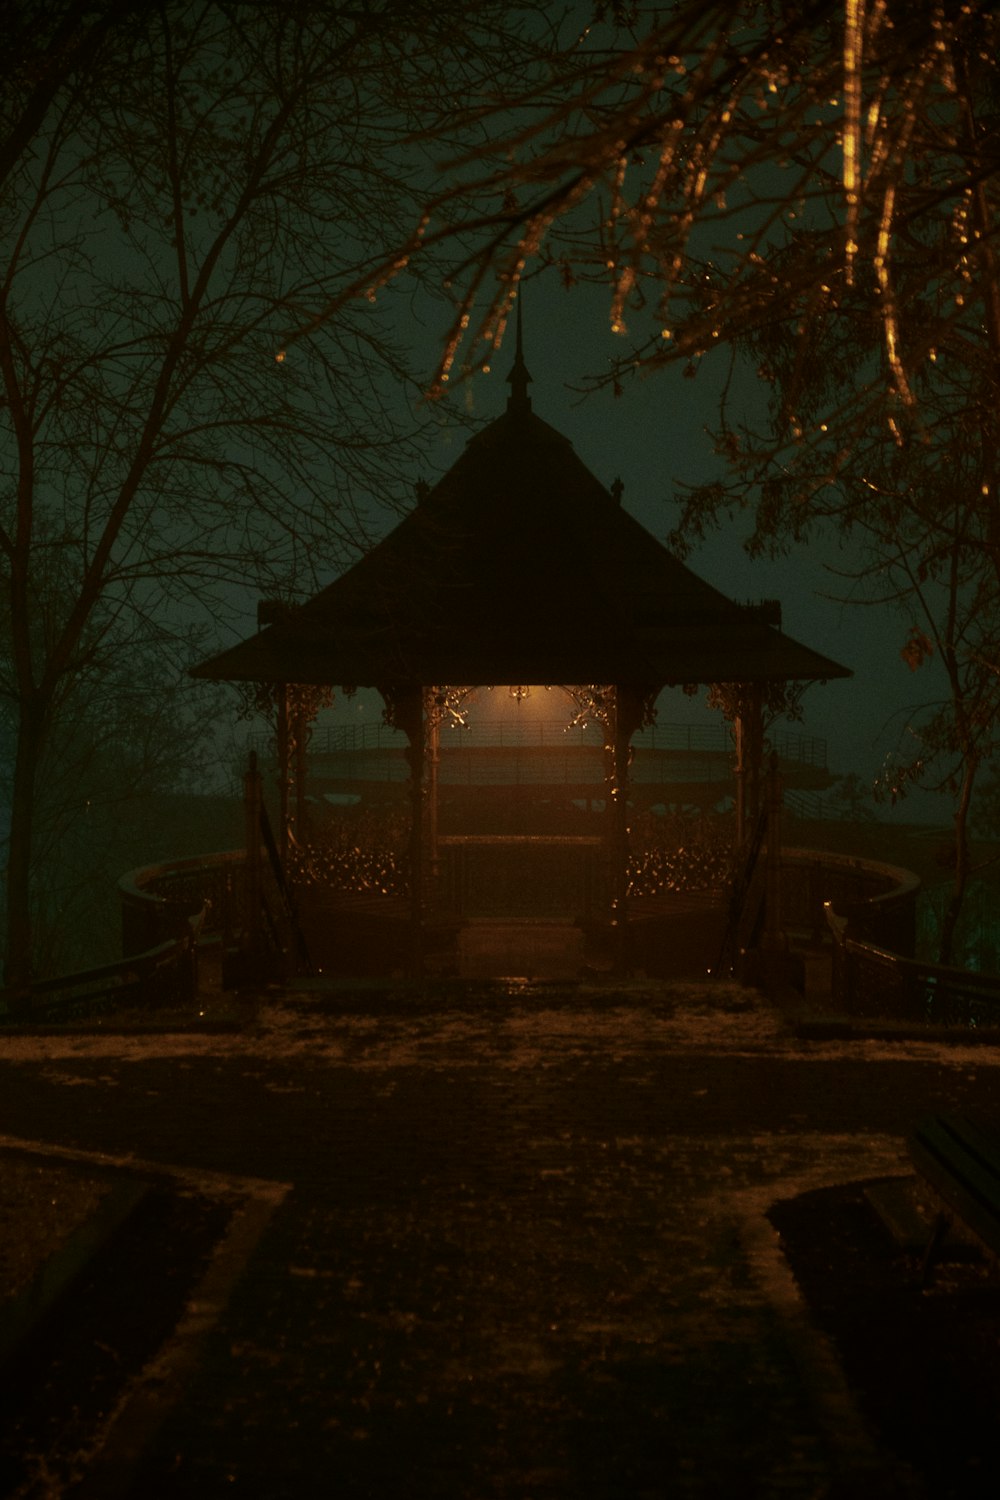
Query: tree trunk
point(954, 908)
point(18, 965)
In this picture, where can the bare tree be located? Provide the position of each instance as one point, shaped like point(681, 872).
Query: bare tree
point(680, 170)
point(180, 183)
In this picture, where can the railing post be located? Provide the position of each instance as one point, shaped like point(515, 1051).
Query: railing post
point(435, 706)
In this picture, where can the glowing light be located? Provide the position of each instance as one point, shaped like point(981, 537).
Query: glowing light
point(854, 24)
point(279, 358)
point(889, 305)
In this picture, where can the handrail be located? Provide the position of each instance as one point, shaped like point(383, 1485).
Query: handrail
point(168, 910)
point(330, 739)
point(156, 900)
point(163, 976)
point(878, 900)
point(520, 840)
point(871, 982)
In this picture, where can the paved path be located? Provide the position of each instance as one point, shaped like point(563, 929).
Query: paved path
point(522, 1251)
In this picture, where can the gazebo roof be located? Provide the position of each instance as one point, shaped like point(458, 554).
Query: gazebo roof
point(519, 566)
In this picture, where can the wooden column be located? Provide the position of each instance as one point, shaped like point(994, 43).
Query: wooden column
point(432, 722)
point(740, 778)
point(624, 719)
point(749, 732)
point(408, 715)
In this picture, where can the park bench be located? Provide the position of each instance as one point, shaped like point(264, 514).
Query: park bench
point(960, 1162)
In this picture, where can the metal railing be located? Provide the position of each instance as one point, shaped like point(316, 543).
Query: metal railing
point(878, 901)
point(168, 912)
point(874, 983)
point(695, 739)
point(157, 900)
point(165, 977)
point(869, 914)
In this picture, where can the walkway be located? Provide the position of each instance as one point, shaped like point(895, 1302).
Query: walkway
point(514, 1243)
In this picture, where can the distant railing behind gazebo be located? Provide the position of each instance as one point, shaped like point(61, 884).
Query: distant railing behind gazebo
point(694, 739)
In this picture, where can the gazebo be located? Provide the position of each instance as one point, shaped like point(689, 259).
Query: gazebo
point(517, 567)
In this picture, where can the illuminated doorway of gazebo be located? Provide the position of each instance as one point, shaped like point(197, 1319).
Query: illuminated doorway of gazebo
point(518, 843)
point(520, 839)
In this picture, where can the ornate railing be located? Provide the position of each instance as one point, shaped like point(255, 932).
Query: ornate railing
point(878, 901)
point(699, 739)
point(679, 852)
point(874, 983)
point(168, 911)
point(869, 913)
point(366, 854)
point(158, 900)
point(164, 978)
point(172, 909)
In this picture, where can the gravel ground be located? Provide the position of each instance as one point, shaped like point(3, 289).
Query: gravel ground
point(536, 1242)
point(41, 1204)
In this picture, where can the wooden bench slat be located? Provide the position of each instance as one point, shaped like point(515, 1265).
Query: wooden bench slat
point(961, 1162)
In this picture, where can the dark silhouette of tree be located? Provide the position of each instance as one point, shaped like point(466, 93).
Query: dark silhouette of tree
point(680, 170)
point(180, 183)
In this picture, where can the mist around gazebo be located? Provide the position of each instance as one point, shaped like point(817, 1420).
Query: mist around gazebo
point(198, 426)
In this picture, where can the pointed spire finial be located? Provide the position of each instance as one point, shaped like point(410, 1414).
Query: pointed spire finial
point(519, 379)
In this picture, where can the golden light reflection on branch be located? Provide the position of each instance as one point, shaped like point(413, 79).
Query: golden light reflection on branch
point(854, 31)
